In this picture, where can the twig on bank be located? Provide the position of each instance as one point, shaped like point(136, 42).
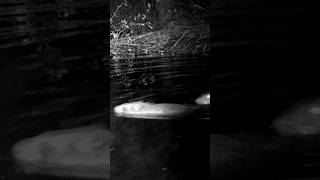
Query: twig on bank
point(204, 48)
point(179, 39)
point(143, 35)
point(129, 44)
point(118, 7)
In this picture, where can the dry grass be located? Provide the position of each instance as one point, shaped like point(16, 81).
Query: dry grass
point(177, 38)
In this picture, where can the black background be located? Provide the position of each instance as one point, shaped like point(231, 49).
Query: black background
point(274, 44)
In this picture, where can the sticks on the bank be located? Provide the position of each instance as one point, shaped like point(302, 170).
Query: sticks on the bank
point(179, 39)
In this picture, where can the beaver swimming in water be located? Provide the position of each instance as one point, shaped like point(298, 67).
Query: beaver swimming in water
point(204, 99)
point(147, 110)
point(79, 152)
point(301, 118)
point(293, 142)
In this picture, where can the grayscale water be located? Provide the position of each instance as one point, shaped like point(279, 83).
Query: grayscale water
point(151, 148)
point(160, 80)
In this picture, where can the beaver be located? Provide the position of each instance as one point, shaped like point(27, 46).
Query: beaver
point(79, 152)
point(147, 110)
point(204, 99)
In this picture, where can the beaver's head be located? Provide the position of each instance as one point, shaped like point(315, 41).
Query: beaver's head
point(203, 99)
point(129, 107)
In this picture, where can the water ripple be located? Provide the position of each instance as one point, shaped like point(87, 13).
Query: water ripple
point(160, 80)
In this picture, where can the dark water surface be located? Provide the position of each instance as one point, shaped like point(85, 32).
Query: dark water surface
point(49, 78)
point(247, 101)
point(159, 149)
point(160, 80)
point(35, 99)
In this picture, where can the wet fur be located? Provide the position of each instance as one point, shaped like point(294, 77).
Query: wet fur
point(140, 109)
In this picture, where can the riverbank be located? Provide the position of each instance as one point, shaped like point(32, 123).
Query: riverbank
point(176, 38)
